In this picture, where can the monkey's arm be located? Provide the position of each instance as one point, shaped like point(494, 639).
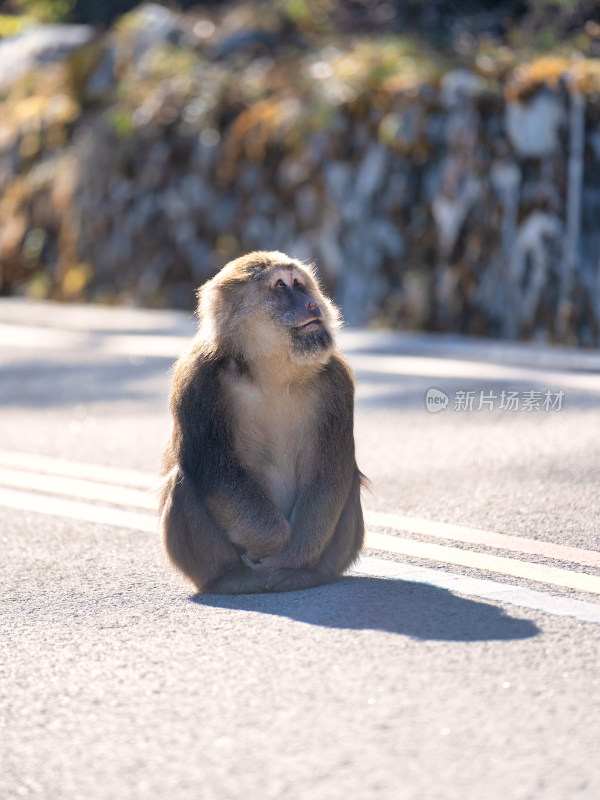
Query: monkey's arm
point(320, 501)
point(205, 453)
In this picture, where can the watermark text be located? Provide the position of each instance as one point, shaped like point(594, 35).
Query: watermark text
point(528, 400)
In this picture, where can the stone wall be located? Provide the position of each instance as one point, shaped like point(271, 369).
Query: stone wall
point(431, 195)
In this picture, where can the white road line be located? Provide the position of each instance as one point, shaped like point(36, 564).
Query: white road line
point(541, 573)
point(50, 485)
point(501, 541)
point(376, 567)
point(72, 487)
point(95, 482)
point(50, 465)
point(135, 498)
point(84, 512)
point(478, 587)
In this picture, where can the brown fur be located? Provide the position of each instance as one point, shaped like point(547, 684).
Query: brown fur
point(261, 490)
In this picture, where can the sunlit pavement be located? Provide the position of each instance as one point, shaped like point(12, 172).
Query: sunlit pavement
point(458, 661)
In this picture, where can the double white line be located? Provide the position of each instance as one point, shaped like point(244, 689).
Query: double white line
point(76, 490)
point(124, 498)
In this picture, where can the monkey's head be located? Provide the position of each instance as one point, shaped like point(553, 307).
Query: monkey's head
point(267, 304)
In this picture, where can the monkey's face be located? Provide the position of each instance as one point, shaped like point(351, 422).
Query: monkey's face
point(267, 305)
point(295, 302)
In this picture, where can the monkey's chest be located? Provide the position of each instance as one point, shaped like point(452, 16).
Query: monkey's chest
point(274, 442)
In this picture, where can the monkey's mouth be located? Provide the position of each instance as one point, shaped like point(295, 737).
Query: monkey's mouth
point(311, 338)
point(311, 324)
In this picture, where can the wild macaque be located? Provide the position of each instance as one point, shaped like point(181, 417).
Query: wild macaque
point(261, 489)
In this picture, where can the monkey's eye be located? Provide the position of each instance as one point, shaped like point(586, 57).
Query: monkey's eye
point(279, 283)
point(296, 283)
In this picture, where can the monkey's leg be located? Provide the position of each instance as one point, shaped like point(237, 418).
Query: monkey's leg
point(239, 580)
point(194, 542)
point(288, 579)
point(347, 540)
point(341, 550)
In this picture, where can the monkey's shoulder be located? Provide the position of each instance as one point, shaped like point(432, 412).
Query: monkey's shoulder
point(196, 370)
point(338, 374)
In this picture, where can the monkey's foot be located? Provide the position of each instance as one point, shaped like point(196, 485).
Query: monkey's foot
point(239, 580)
point(289, 580)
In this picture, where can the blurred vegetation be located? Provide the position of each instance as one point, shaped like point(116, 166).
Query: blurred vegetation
point(455, 26)
point(355, 133)
point(44, 10)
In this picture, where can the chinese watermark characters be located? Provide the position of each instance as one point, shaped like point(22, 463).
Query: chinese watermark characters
point(530, 400)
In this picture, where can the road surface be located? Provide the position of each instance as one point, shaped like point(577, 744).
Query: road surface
point(458, 660)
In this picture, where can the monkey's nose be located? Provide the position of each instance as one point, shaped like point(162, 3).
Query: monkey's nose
point(313, 307)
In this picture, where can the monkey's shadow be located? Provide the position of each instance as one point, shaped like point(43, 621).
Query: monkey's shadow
point(417, 610)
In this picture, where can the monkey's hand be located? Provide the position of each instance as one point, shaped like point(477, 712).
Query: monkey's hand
point(265, 544)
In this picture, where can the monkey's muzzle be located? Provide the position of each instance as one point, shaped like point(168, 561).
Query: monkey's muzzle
point(311, 323)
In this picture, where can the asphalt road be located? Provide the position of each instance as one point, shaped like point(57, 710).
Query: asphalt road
point(459, 661)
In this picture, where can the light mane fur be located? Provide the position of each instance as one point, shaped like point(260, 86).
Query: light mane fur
point(272, 443)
